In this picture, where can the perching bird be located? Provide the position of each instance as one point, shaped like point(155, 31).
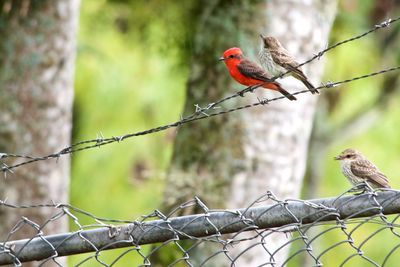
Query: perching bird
point(277, 60)
point(249, 73)
point(358, 169)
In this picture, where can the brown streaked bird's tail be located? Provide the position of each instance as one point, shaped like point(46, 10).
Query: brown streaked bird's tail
point(286, 94)
point(309, 86)
point(382, 182)
point(298, 74)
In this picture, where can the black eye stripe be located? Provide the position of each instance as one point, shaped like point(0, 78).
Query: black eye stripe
point(234, 56)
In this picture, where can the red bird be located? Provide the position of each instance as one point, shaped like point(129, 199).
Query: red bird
point(249, 73)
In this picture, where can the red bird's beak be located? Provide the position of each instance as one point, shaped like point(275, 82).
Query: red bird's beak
point(221, 59)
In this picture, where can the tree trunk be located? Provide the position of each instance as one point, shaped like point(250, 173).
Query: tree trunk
point(37, 55)
point(228, 161)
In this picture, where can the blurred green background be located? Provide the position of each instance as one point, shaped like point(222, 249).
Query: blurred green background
point(131, 73)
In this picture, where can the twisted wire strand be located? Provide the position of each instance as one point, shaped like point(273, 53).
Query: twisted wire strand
point(201, 112)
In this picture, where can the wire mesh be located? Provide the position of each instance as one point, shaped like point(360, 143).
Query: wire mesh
point(347, 228)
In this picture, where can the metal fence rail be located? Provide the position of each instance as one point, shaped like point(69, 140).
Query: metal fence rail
point(267, 216)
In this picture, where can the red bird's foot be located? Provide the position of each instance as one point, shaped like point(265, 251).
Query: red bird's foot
point(241, 93)
point(252, 88)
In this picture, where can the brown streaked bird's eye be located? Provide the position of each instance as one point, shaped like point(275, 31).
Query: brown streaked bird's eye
point(348, 156)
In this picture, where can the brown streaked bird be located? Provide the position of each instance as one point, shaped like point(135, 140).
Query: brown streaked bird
point(277, 60)
point(358, 169)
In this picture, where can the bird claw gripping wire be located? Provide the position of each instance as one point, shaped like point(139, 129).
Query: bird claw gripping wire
point(241, 93)
point(248, 89)
point(252, 88)
point(364, 187)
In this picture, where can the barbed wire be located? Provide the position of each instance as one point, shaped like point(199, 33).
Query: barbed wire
point(200, 112)
point(318, 55)
point(305, 226)
point(104, 141)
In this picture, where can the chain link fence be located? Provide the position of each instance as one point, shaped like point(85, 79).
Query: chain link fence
point(348, 230)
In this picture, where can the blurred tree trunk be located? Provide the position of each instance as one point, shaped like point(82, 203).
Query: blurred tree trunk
point(228, 161)
point(37, 54)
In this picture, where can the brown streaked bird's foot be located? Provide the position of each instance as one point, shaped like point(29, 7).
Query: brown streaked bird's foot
point(241, 93)
point(367, 187)
point(361, 192)
point(355, 188)
point(361, 188)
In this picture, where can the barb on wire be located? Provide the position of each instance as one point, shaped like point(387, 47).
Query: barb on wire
point(200, 112)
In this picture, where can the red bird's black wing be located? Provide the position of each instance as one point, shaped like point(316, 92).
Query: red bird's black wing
point(254, 71)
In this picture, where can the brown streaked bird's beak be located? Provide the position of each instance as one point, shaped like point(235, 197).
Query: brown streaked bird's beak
point(262, 36)
point(337, 158)
point(221, 59)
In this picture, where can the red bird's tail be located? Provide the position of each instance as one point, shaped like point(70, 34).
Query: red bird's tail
point(277, 86)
